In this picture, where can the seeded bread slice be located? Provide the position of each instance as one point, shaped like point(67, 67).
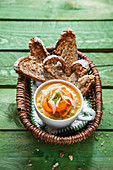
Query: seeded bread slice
point(73, 78)
point(85, 83)
point(37, 49)
point(29, 67)
point(66, 47)
point(55, 65)
point(80, 67)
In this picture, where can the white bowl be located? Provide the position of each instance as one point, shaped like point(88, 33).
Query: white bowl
point(57, 123)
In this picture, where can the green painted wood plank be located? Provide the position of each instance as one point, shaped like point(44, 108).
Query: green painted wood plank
point(8, 112)
point(90, 35)
point(7, 73)
point(99, 59)
point(50, 9)
point(9, 77)
point(106, 74)
point(107, 117)
point(20, 150)
point(10, 119)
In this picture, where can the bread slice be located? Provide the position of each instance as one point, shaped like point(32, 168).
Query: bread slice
point(37, 49)
point(55, 65)
point(29, 67)
point(85, 83)
point(80, 67)
point(73, 78)
point(66, 47)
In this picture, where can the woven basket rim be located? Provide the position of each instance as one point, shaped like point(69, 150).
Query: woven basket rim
point(24, 111)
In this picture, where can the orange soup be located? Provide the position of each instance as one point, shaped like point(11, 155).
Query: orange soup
point(58, 101)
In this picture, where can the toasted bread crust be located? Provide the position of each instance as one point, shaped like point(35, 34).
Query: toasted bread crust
point(37, 49)
point(66, 47)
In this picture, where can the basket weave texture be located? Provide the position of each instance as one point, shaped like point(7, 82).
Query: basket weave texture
point(95, 96)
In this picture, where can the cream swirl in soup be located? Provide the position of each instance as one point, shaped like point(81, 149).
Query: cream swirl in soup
point(58, 101)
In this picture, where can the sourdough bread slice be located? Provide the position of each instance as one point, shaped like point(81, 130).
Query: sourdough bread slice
point(29, 67)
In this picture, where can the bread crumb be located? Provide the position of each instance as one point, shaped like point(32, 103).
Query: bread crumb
point(70, 157)
point(55, 165)
point(61, 154)
point(37, 149)
point(29, 165)
point(111, 113)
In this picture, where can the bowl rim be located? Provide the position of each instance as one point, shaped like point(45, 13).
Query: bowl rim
point(65, 82)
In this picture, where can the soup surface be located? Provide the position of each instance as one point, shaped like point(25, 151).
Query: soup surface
point(58, 101)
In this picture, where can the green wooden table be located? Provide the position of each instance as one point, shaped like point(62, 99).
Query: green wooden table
point(92, 22)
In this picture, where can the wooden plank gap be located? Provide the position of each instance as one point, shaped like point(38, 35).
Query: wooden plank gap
point(104, 130)
point(107, 87)
point(14, 87)
point(24, 130)
point(13, 50)
point(101, 50)
point(7, 86)
point(11, 130)
point(52, 20)
point(107, 65)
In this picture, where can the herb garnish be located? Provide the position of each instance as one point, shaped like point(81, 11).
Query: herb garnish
point(55, 99)
point(57, 96)
point(68, 115)
point(50, 97)
point(64, 110)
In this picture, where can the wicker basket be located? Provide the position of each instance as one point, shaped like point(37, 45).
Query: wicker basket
point(95, 96)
